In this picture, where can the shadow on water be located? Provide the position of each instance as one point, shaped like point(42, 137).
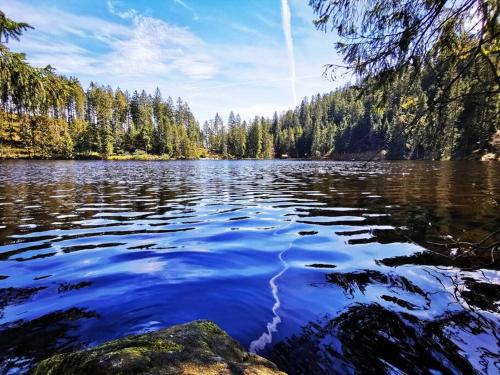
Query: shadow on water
point(24, 343)
point(93, 251)
point(377, 338)
point(369, 338)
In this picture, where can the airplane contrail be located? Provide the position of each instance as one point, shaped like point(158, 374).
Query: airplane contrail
point(286, 16)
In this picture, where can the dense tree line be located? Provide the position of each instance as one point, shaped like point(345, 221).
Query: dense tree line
point(429, 72)
point(239, 139)
point(406, 124)
point(448, 109)
point(50, 115)
point(401, 120)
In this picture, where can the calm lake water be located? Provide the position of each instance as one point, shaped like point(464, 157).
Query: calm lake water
point(320, 266)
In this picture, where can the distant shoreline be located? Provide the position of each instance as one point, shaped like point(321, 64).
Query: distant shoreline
point(342, 158)
point(367, 156)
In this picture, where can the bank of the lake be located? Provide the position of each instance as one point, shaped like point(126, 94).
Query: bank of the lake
point(364, 157)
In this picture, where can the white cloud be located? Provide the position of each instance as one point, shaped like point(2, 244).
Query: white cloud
point(267, 20)
point(187, 7)
point(137, 52)
point(266, 110)
point(56, 23)
point(148, 48)
point(155, 47)
point(124, 15)
point(244, 29)
point(286, 16)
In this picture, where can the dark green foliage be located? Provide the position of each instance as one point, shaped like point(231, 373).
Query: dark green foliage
point(50, 116)
point(380, 40)
point(447, 49)
point(406, 125)
point(10, 28)
point(418, 97)
point(255, 139)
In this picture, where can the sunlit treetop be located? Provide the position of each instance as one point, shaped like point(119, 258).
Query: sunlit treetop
point(10, 29)
point(381, 38)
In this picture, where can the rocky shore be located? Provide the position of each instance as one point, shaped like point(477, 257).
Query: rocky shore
point(199, 347)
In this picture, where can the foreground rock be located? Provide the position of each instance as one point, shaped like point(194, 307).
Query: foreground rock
point(199, 347)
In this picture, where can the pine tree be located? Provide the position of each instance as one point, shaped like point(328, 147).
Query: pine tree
point(254, 140)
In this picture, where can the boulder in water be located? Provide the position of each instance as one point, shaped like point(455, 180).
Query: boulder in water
point(199, 347)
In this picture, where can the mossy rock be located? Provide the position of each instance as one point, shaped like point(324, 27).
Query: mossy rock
point(199, 347)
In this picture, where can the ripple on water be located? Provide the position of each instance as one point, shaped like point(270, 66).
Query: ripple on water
point(307, 262)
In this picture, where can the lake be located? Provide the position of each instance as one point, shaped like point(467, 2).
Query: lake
point(322, 267)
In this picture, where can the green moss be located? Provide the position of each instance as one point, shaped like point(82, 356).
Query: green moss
point(138, 344)
point(210, 328)
point(49, 366)
point(115, 345)
point(161, 345)
point(131, 352)
point(199, 347)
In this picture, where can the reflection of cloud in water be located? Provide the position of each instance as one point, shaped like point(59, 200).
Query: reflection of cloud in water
point(266, 337)
point(205, 228)
point(148, 266)
point(272, 326)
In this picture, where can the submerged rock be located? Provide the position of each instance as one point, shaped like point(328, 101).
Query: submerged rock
point(199, 347)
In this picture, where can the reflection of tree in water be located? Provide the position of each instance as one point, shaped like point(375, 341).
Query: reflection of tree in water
point(14, 296)
point(429, 258)
point(369, 338)
point(485, 296)
point(372, 338)
point(426, 204)
point(361, 279)
point(391, 331)
point(24, 343)
point(447, 323)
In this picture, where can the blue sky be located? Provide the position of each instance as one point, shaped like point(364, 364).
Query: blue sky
point(218, 55)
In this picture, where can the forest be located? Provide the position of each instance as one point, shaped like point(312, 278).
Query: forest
point(449, 110)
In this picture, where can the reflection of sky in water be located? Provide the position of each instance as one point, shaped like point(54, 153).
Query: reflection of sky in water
point(101, 250)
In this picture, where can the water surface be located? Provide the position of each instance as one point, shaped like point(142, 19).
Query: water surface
point(323, 267)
